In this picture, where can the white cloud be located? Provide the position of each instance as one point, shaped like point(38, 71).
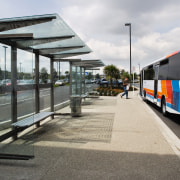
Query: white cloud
point(101, 24)
point(155, 26)
point(108, 50)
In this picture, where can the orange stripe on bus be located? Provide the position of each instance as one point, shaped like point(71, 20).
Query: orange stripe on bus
point(163, 88)
point(149, 90)
point(170, 97)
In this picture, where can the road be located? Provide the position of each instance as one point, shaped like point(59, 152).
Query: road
point(172, 120)
point(26, 101)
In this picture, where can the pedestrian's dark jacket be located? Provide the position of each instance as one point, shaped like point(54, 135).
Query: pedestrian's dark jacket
point(125, 82)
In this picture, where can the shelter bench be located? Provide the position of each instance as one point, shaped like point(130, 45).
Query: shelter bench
point(29, 121)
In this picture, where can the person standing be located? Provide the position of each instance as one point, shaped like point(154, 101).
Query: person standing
point(125, 86)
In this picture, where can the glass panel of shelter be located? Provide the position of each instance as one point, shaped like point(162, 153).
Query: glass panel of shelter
point(44, 80)
point(17, 103)
point(83, 80)
point(56, 27)
point(76, 81)
point(61, 91)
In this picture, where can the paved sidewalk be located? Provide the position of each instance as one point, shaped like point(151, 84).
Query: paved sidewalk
point(115, 139)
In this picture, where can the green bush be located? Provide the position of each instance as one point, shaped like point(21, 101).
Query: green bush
point(109, 93)
point(105, 93)
point(55, 85)
point(116, 93)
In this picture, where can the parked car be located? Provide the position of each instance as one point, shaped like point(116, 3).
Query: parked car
point(116, 82)
point(93, 80)
point(66, 80)
point(6, 82)
point(59, 82)
point(103, 81)
point(88, 81)
point(25, 81)
point(98, 81)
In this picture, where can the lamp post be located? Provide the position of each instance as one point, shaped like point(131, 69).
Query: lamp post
point(20, 70)
point(5, 61)
point(139, 68)
point(59, 70)
point(129, 24)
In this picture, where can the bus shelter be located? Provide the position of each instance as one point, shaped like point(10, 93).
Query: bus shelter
point(28, 39)
point(78, 88)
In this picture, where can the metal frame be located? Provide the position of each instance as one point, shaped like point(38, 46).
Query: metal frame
point(51, 48)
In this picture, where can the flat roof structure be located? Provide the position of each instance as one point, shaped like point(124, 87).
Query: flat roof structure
point(47, 35)
point(89, 63)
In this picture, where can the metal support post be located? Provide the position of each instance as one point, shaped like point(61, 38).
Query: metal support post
point(37, 99)
point(84, 82)
point(81, 81)
point(70, 78)
point(59, 71)
point(52, 87)
point(76, 81)
point(14, 86)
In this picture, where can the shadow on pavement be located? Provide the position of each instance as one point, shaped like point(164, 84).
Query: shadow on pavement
point(69, 163)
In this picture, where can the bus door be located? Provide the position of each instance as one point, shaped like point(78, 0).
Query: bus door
point(156, 72)
point(141, 83)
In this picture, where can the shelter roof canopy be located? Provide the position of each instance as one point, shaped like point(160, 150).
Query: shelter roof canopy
point(51, 35)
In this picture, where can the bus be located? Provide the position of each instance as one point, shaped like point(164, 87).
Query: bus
point(160, 83)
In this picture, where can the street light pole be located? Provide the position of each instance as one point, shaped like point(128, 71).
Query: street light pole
point(129, 24)
point(20, 70)
point(59, 70)
point(5, 61)
point(139, 68)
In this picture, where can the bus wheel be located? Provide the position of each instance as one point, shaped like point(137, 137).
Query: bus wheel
point(163, 107)
point(145, 100)
point(144, 94)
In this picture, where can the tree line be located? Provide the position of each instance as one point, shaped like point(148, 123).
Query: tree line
point(112, 72)
point(43, 75)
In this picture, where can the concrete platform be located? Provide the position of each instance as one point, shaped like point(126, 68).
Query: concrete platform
point(114, 139)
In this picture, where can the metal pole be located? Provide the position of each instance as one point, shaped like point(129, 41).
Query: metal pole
point(129, 24)
point(84, 82)
point(14, 86)
point(139, 68)
point(52, 87)
point(20, 70)
point(37, 91)
point(70, 78)
point(59, 71)
point(5, 61)
point(76, 81)
point(81, 81)
point(130, 46)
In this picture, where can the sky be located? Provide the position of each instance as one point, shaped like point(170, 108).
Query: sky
point(155, 26)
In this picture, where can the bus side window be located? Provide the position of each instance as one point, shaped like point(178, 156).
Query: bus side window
point(174, 67)
point(163, 69)
point(149, 74)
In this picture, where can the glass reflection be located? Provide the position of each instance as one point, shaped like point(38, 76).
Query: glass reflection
point(5, 87)
point(19, 99)
point(76, 81)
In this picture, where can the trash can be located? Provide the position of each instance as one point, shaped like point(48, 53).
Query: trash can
point(75, 105)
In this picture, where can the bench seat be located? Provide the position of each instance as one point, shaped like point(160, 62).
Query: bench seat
point(29, 121)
